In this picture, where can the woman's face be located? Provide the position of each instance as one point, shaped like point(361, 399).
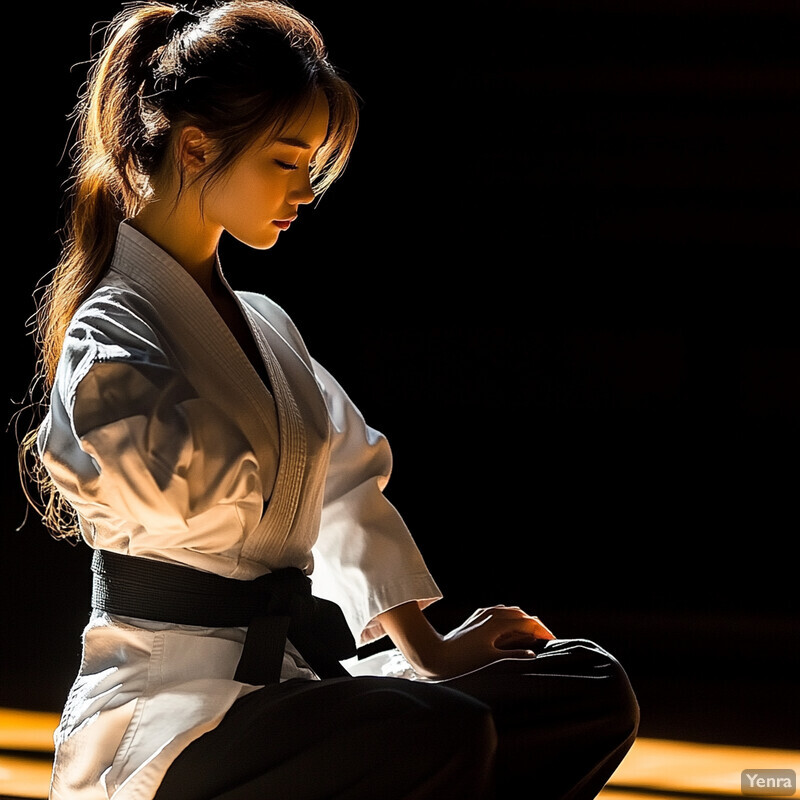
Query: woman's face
point(259, 195)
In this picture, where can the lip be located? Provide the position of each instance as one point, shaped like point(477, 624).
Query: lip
point(283, 224)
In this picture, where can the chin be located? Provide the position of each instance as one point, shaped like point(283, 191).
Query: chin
point(264, 242)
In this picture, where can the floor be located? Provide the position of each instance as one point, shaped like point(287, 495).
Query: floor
point(655, 769)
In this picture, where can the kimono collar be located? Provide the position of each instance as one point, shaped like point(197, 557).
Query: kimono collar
point(178, 297)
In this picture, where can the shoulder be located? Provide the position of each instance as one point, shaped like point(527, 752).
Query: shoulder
point(114, 324)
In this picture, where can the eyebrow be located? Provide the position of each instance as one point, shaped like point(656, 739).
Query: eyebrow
point(292, 142)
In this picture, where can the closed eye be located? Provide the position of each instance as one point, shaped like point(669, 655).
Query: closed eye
point(285, 165)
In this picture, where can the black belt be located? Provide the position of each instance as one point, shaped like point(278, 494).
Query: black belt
point(275, 607)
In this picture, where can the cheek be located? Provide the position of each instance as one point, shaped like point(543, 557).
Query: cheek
point(247, 190)
point(249, 195)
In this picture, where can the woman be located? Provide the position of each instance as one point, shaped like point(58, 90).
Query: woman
point(232, 492)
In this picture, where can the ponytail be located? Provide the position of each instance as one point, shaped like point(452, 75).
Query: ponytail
point(240, 68)
point(105, 188)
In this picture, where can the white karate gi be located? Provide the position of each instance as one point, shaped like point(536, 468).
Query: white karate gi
point(169, 446)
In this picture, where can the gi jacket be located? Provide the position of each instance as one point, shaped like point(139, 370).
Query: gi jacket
point(168, 444)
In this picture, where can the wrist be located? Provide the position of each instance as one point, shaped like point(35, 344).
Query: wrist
point(415, 637)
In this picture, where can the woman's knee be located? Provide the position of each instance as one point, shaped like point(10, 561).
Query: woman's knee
point(620, 691)
point(615, 696)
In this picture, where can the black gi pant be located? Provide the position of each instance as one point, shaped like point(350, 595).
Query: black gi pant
point(554, 727)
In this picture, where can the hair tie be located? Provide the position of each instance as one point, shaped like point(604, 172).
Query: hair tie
point(180, 20)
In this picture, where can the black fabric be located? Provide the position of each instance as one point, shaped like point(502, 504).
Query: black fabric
point(552, 728)
point(274, 607)
point(357, 738)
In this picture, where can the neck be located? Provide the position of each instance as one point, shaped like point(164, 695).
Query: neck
point(182, 235)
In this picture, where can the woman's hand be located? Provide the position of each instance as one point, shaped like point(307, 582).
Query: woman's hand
point(487, 635)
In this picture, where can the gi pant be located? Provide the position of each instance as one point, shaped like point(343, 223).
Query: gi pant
point(553, 727)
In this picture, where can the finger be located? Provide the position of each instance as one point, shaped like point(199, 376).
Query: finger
point(544, 631)
point(521, 631)
point(504, 612)
point(512, 612)
point(518, 653)
point(502, 615)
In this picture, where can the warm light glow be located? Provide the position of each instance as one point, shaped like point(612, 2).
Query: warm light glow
point(686, 767)
point(30, 731)
point(652, 766)
point(24, 777)
point(27, 730)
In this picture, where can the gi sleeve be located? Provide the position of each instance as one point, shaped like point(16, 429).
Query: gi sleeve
point(149, 466)
point(365, 558)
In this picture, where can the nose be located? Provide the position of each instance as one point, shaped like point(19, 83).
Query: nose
point(300, 192)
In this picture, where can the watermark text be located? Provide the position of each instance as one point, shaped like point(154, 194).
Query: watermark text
point(769, 782)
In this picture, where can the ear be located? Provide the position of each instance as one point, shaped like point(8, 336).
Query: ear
point(193, 149)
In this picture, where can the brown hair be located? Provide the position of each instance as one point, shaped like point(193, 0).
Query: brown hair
point(236, 70)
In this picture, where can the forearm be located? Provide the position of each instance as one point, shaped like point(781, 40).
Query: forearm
point(414, 636)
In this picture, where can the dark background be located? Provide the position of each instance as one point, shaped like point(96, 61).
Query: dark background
point(560, 275)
